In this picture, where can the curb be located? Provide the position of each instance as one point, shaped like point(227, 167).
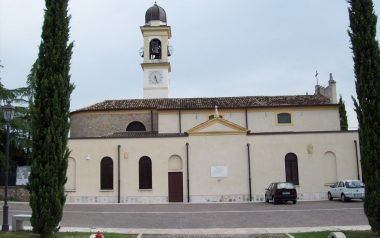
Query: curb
point(218, 231)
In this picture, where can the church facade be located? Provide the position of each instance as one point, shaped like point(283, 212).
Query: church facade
point(196, 150)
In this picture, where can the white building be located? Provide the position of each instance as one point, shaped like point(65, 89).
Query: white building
point(160, 149)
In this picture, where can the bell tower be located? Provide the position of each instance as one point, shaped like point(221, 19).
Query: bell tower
point(156, 52)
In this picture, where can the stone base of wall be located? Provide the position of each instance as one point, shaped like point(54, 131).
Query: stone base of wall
point(113, 199)
point(233, 198)
point(312, 196)
point(301, 197)
point(258, 198)
point(15, 193)
point(20, 194)
point(144, 200)
point(221, 198)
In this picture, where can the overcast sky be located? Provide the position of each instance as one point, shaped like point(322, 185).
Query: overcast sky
point(221, 48)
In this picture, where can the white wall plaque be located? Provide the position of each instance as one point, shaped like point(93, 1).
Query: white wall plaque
point(219, 171)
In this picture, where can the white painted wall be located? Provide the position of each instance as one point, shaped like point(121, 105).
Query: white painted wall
point(259, 120)
point(209, 151)
point(156, 92)
point(267, 165)
point(268, 155)
point(168, 122)
point(303, 119)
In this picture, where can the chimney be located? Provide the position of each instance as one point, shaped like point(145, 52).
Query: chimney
point(332, 89)
point(329, 91)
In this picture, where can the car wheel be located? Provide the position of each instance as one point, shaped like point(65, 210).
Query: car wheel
point(343, 198)
point(274, 200)
point(329, 196)
point(294, 201)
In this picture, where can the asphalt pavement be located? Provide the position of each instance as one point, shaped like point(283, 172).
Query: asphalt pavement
point(242, 219)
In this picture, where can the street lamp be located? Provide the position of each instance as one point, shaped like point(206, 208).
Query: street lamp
point(8, 112)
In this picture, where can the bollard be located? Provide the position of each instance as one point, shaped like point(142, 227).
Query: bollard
point(98, 235)
point(336, 235)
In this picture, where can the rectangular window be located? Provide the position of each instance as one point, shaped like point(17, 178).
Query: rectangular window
point(284, 118)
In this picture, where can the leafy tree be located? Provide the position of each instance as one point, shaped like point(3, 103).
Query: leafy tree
point(366, 55)
point(50, 120)
point(20, 126)
point(342, 115)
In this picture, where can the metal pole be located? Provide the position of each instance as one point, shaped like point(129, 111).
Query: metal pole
point(5, 226)
point(187, 173)
point(249, 173)
point(118, 174)
point(357, 158)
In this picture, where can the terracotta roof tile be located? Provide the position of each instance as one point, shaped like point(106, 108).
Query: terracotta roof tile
point(208, 103)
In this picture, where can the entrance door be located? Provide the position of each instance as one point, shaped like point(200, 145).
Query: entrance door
point(175, 187)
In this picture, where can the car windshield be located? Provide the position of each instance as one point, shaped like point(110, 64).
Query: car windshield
point(285, 185)
point(354, 184)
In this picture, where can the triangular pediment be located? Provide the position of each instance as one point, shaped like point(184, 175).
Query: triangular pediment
point(217, 126)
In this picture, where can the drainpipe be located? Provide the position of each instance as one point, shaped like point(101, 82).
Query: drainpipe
point(249, 173)
point(151, 120)
point(118, 174)
point(357, 158)
point(187, 172)
point(246, 118)
point(179, 121)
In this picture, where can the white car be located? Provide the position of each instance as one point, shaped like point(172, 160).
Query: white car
point(346, 190)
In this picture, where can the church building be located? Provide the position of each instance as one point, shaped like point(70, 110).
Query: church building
point(198, 150)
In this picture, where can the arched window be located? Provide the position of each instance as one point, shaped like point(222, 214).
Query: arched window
point(106, 173)
point(291, 168)
point(145, 173)
point(155, 49)
point(136, 126)
point(284, 118)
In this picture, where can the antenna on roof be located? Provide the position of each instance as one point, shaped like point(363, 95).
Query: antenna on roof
point(316, 77)
point(317, 86)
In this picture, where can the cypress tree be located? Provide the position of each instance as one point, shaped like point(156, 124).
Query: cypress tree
point(366, 56)
point(50, 120)
point(342, 115)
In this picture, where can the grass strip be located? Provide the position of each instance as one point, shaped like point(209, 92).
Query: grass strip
point(26, 234)
point(348, 234)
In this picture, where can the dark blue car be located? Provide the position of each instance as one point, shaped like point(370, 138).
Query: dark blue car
point(281, 192)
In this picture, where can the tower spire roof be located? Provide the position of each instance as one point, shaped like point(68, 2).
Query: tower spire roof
point(155, 13)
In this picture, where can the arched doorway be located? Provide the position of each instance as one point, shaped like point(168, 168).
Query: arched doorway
point(175, 179)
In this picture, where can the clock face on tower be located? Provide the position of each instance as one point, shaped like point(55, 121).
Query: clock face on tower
point(155, 77)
